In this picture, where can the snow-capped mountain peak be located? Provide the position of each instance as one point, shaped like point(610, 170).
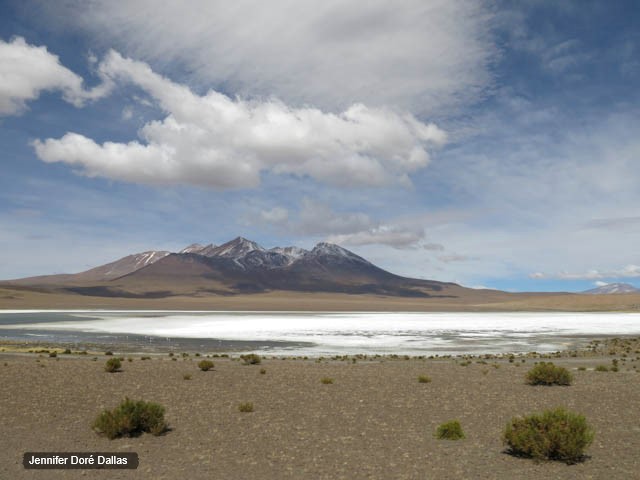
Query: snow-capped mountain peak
point(193, 248)
point(613, 288)
point(247, 254)
point(238, 247)
point(292, 252)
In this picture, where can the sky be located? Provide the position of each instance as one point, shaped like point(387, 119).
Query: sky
point(495, 144)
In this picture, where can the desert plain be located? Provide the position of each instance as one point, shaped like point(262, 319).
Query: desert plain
point(375, 421)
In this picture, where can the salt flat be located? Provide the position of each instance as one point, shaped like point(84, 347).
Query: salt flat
point(322, 333)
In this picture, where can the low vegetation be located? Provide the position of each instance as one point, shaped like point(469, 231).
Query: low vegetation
point(450, 431)
point(326, 380)
point(548, 374)
point(424, 379)
point(251, 359)
point(186, 376)
point(246, 407)
point(205, 365)
point(131, 418)
point(113, 365)
point(552, 435)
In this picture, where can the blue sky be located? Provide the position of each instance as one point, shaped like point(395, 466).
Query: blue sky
point(494, 144)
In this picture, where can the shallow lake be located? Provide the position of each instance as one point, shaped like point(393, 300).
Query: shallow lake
point(315, 334)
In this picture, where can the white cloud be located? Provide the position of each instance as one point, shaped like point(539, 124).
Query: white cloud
point(216, 141)
point(630, 271)
point(27, 70)
point(391, 235)
point(600, 283)
point(418, 55)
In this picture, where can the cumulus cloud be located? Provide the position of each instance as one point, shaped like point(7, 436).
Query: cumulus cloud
point(418, 55)
point(630, 271)
point(391, 235)
point(216, 141)
point(353, 228)
point(27, 70)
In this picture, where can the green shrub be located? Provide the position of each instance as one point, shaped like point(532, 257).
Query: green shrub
point(67, 351)
point(205, 365)
point(554, 435)
point(424, 379)
point(108, 352)
point(53, 354)
point(326, 380)
point(186, 376)
point(131, 418)
point(251, 359)
point(263, 371)
point(548, 374)
point(450, 431)
point(113, 365)
point(246, 407)
point(602, 368)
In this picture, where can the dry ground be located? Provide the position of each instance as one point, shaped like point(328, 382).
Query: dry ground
point(374, 422)
point(16, 298)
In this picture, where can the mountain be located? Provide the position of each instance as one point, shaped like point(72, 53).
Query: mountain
point(110, 271)
point(240, 266)
point(613, 288)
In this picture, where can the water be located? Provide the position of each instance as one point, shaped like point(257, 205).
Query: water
point(315, 334)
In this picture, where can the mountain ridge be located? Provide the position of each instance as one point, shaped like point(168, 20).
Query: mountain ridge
point(612, 289)
point(240, 266)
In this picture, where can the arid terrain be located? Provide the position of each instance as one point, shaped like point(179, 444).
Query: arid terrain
point(376, 421)
point(17, 298)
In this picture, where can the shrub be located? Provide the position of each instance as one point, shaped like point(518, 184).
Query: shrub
point(450, 431)
point(67, 351)
point(424, 379)
point(131, 418)
point(205, 365)
point(602, 368)
point(263, 371)
point(251, 359)
point(554, 435)
point(326, 380)
point(186, 376)
point(246, 407)
point(53, 354)
point(108, 353)
point(113, 365)
point(548, 374)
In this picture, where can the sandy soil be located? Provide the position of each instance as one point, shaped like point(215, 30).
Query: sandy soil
point(376, 421)
point(471, 300)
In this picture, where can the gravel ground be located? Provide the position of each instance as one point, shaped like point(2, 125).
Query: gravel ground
point(376, 421)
